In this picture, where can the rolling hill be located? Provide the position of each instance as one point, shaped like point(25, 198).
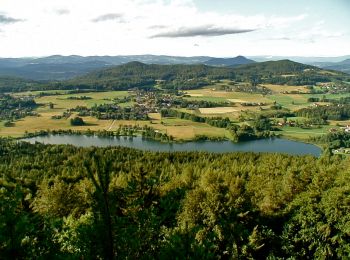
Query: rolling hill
point(276, 67)
point(180, 76)
point(15, 84)
point(228, 62)
point(136, 74)
point(288, 72)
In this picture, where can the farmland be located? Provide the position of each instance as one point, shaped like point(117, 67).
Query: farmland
point(238, 104)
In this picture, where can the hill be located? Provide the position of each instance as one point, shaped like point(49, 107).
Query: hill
point(229, 62)
point(302, 59)
point(287, 72)
point(136, 74)
point(343, 66)
point(276, 67)
point(14, 84)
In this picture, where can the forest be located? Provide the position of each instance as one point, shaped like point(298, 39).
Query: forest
point(330, 112)
point(136, 74)
point(63, 202)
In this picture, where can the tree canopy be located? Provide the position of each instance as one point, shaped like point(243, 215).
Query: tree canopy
point(60, 201)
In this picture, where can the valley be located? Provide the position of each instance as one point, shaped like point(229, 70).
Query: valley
point(188, 102)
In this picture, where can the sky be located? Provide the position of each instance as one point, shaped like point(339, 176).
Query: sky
point(219, 28)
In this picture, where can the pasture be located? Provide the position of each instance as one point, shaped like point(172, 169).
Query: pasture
point(303, 134)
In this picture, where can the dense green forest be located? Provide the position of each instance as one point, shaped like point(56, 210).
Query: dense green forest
point(14, 84)
point(136, 74)
point(145, 76)
point(63, 202)
point(330, 112)
point(333, 140)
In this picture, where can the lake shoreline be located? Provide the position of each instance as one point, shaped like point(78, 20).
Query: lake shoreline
point(270, 145)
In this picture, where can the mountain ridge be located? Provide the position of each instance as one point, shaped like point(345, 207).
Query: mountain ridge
point(58, 67)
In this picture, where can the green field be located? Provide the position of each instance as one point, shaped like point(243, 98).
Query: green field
point(331, 96)
point(293, 101)
point(302, 134)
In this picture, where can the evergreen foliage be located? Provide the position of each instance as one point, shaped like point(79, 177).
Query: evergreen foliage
point(63, 202)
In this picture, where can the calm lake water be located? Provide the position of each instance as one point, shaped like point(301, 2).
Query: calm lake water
point(274, 145)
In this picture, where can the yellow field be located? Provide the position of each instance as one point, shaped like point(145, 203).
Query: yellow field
point(283, 88)
point(62, 101)
point(195, 95)
point(61, 104)
point(180, 129)
point(226, 96)
point(236, 100)
point(217, 110)
point(44, 122)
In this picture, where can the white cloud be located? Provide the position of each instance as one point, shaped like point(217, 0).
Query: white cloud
point(205, 31)
point(109, 17)
point(61, 11)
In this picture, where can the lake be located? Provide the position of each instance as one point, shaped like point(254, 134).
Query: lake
point(273, 145)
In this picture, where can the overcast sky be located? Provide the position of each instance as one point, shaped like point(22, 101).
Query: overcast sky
point(221, 28)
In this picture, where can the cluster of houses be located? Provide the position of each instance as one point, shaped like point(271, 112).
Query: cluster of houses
point(252, 104)
point(332, 88)
point(341, 150)
point(346, 129)
point(151, 102)
point(287, 123)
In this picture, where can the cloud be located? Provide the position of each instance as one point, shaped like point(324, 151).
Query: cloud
point(62, 11)
point(158, 27)
point(207, 31)
point(8, 20)
point(282, 38)
point(109, 17)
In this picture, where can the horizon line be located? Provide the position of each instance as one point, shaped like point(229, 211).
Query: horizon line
point(167, 55)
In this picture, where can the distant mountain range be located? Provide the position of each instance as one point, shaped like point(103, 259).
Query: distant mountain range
point(301, 59)
point(343, 66)
point(59, 67)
